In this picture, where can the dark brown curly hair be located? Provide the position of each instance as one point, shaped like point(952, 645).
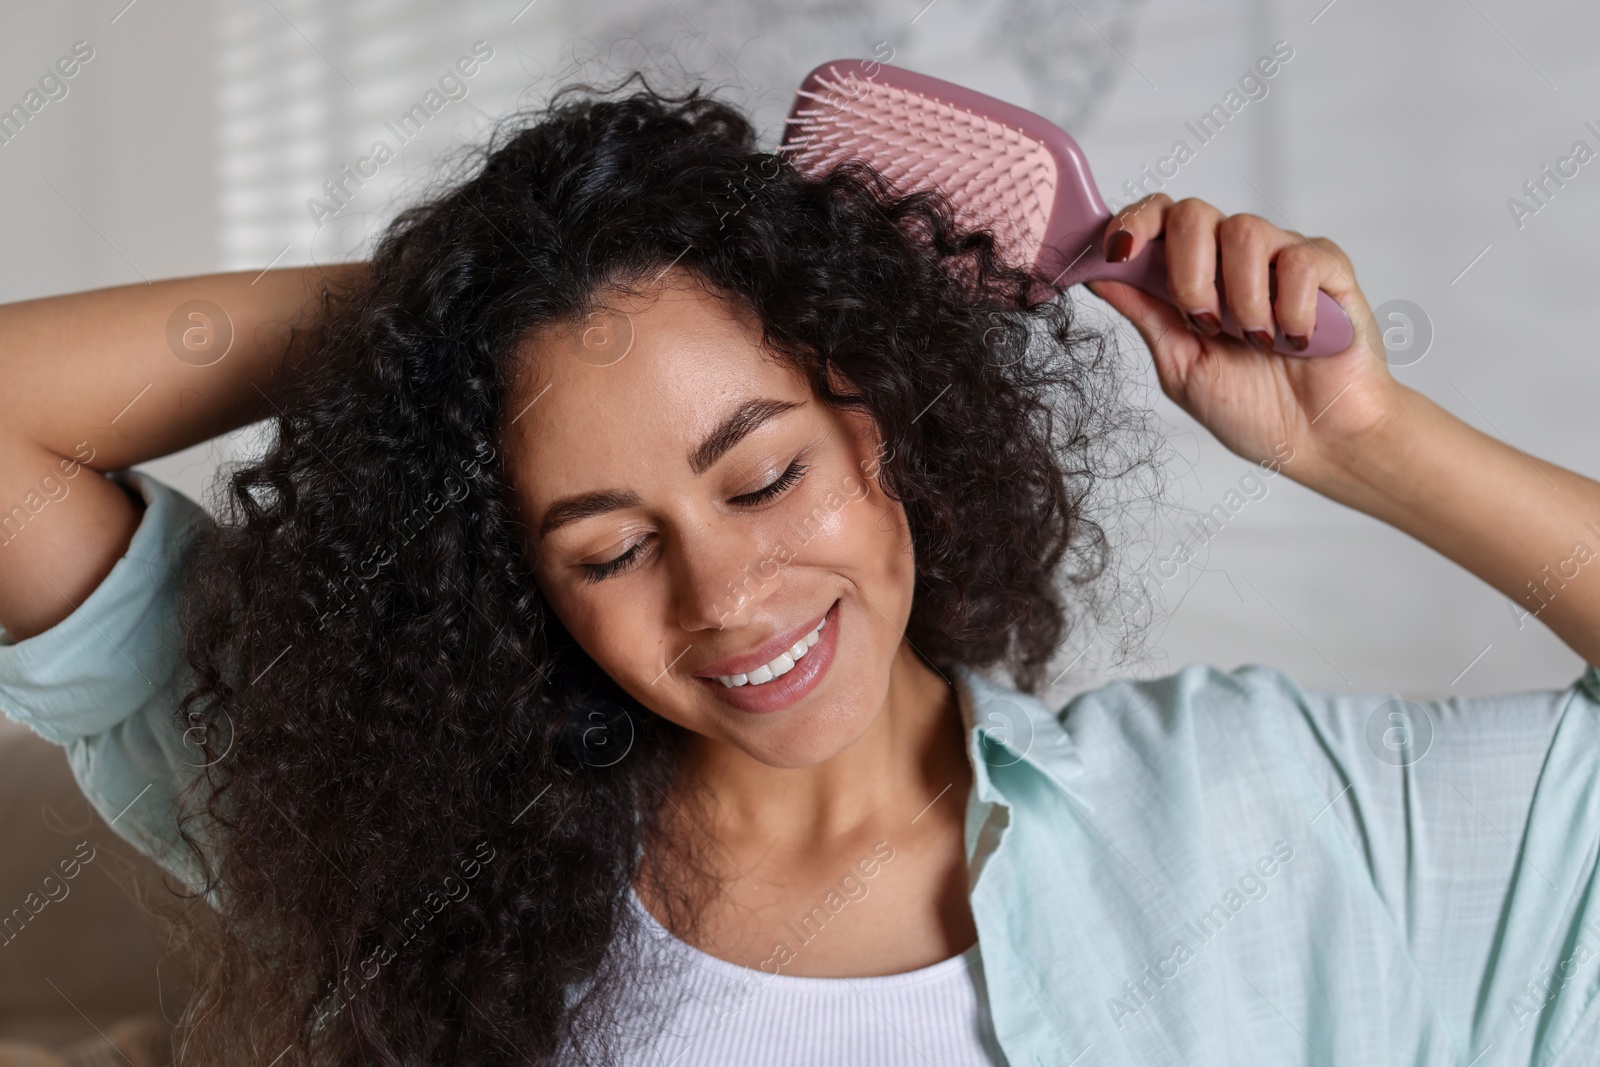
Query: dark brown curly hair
point(422, 843)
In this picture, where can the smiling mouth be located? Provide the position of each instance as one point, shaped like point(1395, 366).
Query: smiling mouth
point(780, 665)
point(791, 676)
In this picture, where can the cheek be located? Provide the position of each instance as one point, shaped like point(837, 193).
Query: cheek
point(867, 541)
point(603, 629)
point(613, 636)
point(871, 525)
point(879, 527)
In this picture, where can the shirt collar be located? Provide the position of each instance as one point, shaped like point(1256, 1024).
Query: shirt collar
point(1006, 727)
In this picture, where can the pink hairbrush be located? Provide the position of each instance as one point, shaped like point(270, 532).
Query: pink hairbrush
point(1001, 166)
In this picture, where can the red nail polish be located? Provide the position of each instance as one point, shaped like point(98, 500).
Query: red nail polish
point(1298, 341)
point(1259, 339)
point(1204, 322)
point(1120, 248)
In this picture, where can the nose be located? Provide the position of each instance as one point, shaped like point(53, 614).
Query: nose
point(721, 573)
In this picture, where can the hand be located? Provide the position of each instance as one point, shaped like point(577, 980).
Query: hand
point(1260, 405)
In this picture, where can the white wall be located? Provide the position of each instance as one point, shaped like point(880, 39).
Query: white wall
point(193, 139)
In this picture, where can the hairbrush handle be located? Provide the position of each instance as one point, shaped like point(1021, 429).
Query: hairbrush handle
point(1148, 272)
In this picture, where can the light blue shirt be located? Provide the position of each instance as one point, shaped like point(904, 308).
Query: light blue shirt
point(1212, 868)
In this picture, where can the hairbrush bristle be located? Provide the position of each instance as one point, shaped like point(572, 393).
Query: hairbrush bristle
point(994, 175)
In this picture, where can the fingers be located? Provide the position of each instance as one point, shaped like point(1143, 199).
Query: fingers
point(1299, 272)
point(1135, 226)
point(1248, 244)
point(1190, 231)
point(1192, 263)
point(1301, 266)
point(1268, 276)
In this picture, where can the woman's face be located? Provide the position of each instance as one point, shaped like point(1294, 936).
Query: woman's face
point(693, 510)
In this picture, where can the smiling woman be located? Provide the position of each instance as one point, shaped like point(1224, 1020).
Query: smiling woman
point(651, 570)
point(762, 497)
point(758, 482)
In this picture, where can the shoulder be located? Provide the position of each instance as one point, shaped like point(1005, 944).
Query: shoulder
point(105, 682)
point(1206, 752)
point(1199, 696)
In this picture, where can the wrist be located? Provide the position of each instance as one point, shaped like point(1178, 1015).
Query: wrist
point(1373, 468)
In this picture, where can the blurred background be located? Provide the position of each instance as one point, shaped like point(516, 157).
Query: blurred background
point(198, 135)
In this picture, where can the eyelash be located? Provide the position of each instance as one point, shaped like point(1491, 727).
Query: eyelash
point(598, 572)
point(783, 482)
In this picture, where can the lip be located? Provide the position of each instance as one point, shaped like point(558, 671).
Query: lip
point(765, 653)
point(791, 688)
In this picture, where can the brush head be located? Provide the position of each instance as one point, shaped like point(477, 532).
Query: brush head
point(1003, 168)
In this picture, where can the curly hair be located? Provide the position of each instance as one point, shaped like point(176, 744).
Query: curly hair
point(414, 806)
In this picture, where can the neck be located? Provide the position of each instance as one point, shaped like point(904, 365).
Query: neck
point(914, 750)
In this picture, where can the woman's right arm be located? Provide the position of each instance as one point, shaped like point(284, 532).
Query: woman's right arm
point(89, 380)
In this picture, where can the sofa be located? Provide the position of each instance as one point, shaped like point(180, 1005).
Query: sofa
point(88, 974)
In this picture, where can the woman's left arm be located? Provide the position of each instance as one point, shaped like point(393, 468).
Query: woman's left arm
point(1527, 527)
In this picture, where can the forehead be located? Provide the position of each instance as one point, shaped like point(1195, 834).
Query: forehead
point(636, 383)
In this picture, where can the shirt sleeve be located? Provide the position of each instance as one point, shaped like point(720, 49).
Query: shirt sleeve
point(1477, 822)
point(105, 682)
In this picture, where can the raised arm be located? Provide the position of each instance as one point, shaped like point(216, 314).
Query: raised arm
point(1527, 527)
point(1342, 426)
point(97, 381)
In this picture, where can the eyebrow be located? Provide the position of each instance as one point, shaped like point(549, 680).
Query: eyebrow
point(739, 424)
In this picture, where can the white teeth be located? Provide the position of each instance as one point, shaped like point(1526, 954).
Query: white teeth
point(778, 667)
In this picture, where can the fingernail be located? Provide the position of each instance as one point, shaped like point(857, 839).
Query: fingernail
point(1298, 341)
point(1260, 339)
point(1120, 248)
point(1204, 322)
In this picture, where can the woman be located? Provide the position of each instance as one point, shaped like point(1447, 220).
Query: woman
point(640, 528)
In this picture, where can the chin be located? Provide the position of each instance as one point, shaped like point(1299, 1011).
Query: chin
point(812, 736)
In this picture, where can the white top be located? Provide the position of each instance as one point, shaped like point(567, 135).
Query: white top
point(720, 1014)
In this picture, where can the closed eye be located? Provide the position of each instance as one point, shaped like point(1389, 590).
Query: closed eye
point(599, 572)
point(778, 485)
